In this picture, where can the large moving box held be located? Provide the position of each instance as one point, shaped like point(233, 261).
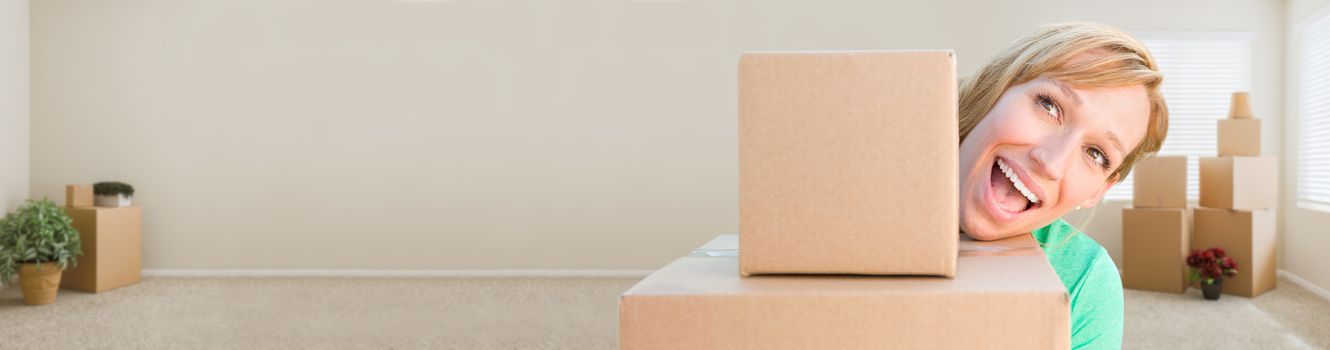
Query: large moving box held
point(1154, 249)
point(1246, 235)
point(112, 244)
point(848, 163)
point(1160, 182)
point(1243, 183)
point(1005, 295)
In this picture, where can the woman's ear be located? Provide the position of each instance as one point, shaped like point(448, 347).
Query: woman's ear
point(1099, 196)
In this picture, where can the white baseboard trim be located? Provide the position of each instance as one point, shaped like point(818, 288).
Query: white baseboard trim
point(1304, 284)
point(394, 273)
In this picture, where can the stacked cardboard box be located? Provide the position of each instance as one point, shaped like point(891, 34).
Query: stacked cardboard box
point(77, 196)
point(111, 239)
point(848, 168)
point(1239, 194)
point(847, 163)
point(1248, 236)
point(1154, 229)
point(1240, 134)
point(1004, 295)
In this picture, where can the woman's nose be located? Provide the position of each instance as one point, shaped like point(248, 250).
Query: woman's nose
point(1049, 156)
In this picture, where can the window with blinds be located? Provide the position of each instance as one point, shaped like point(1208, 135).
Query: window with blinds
point(1201, 72)
point(1314, 114)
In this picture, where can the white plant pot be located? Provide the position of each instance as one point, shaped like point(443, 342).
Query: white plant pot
point(111, 201)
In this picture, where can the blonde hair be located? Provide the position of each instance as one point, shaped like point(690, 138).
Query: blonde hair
point(1117, 60)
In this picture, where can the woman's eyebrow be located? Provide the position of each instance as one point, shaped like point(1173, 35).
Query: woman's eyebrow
point(1113, 137)
point(1075, 98)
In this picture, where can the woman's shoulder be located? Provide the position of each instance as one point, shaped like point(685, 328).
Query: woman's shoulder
point(1075, 256)
point(1092, 282)
point(1063, 238)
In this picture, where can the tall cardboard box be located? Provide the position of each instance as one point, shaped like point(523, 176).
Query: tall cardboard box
point(1004, 295)
point(1246, 235)
point(112, 245)
point(848, 163)
point(1243, 183)
point(1154, 249)
point(78, 196)
point(1160, 182)
point(1240, 137)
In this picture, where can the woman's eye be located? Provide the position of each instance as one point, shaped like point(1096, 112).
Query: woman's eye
point(1050, 107)
point(1098, 157)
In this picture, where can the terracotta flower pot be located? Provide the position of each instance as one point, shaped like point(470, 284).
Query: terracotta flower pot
point(39, 287)
point(1212, 291)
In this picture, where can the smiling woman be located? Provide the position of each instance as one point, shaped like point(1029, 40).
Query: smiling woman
point(1048, 126)
point(1046, 148)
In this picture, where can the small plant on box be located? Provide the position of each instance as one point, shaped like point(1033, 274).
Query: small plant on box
point(112, 194)
point(1211, 266)
point(37, 242)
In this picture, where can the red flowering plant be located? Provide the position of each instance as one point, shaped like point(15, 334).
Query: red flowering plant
point(1210, 265)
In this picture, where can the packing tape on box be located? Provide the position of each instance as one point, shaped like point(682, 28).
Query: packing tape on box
point(969, 247)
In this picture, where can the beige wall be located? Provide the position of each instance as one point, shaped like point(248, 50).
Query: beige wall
point(13, 104)
point(1305, 230)
point(468, 134)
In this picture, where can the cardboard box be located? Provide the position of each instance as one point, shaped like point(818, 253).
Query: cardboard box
point(1155, 244)
point(1246, 235)
point(848, 162)
point(78, 195)
point(112, 244)
point(1004, 295)
point(1160, 182)
point(1239, 107)
point(1240, 137)
point(1242, 183)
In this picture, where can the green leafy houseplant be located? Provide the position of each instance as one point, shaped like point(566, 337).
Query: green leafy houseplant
point(38, 232)
point(112, 188)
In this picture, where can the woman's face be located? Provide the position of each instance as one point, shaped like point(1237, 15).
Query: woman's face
point(1043, 149)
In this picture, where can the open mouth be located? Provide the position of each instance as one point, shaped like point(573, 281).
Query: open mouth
point(1009, 193)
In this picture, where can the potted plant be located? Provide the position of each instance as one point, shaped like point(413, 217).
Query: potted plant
point(112, 194)
point(37, 242)
point(1211, 266)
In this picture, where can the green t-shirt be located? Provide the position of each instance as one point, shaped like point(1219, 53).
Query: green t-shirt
point(1092, 282)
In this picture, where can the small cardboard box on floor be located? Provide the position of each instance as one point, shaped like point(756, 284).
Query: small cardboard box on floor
point(112, 244)
point(1154, 249)
point(848, 163)
point(1246, 235)
point(1160, 182)
point(1243, 183)
point(1004, 295)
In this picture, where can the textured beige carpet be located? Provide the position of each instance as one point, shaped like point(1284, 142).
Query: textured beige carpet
point(514, 313)
point(1288, 317)
point(323, 313)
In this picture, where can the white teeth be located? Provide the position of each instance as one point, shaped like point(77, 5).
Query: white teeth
point(1016, 180)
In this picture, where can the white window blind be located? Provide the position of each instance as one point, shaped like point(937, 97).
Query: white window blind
point(1314, 114)
point(1201, 72)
